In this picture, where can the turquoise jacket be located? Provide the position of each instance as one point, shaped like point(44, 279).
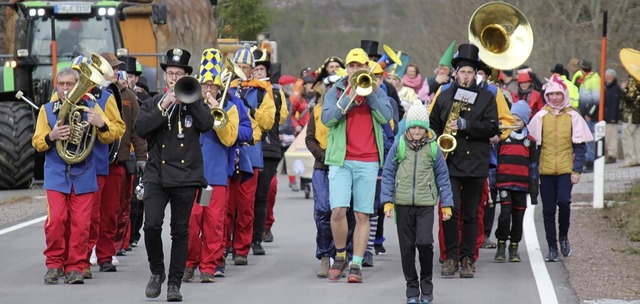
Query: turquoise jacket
point(336, 121)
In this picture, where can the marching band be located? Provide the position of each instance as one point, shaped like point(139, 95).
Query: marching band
point(384, 142)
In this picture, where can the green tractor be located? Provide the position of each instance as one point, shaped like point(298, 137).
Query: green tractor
point(47, 34)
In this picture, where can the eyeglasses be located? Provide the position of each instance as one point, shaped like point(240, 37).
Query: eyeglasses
point(66, 84)
point(172, 74)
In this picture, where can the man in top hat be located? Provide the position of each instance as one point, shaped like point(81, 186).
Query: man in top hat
point(174, 171)
point(132, 66)
point(354, 155)
point(469, 162)
point(257, 97)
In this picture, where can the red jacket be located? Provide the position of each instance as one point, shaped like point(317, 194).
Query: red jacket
point(300, 112)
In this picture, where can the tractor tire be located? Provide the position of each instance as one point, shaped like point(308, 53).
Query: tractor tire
point(16, 152)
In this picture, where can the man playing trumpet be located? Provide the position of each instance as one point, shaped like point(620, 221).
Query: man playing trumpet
point(174, 171)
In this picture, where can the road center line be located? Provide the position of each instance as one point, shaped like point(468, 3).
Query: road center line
point(22, 225)
point(545, 287)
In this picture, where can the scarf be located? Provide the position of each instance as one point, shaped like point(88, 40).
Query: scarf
point(414, 83)
point(415, 144)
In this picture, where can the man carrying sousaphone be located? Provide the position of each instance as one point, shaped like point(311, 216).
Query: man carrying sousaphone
point(174, 170)
point(473, 125)
point(206, 224)
point(69, 183)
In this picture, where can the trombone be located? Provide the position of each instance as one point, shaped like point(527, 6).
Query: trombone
point(187, 90)
point(363, 81)
point(220, 117)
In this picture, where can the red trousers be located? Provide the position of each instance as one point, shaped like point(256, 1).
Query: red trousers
point(206, 232)
point(96, 198)
point(480, 239)
point(271, 201)
point(67, 211)
point(123, 233)
point(239, 220)
point(109, 209)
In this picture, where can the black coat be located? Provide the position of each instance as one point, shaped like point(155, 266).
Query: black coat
point(471, 156)
point(174, 162)
point(612, 95)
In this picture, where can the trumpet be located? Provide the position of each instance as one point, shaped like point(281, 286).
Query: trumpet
point(220, 117)
point(363, 81)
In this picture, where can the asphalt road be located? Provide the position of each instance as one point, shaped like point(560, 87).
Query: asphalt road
point(287, 273)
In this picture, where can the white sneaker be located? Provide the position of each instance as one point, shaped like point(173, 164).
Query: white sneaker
point(94, 258)
point(114, 261)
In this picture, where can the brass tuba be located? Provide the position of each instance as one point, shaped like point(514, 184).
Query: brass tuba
point(82, 137)
point(447, 141)
point(502, 33)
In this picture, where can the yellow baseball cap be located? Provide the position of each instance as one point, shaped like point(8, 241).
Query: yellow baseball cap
point(357, 55)
point(377, 69)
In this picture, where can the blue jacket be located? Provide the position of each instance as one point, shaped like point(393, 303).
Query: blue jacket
point(100, 150)
point(254, 152)
point(61, 177)
point(245, 135)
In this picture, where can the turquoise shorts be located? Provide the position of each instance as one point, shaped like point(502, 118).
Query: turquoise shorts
point(353, 178)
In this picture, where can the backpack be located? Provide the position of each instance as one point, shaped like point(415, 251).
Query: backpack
point(402, 149)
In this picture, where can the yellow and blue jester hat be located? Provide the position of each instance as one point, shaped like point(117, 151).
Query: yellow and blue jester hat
point(211, 66)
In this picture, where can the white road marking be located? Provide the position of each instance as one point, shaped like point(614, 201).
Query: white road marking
point(538, 266)
point(22, 225)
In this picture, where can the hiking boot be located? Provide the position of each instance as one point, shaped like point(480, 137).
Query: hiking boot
point(552, 256)
point(257, 249)
point(267, 236)
point(449, 268)
point(323, 271)
point(335, 272)
point(355, 274)
point(500, 252)
point(219, 272)
point(466, 268)
point(514, 256)
point(565, 247)
point(52, 275)
point(86, 273)
point(108, 267)
point(367, 260)
point(206, 277)
point(487, 243)
point(240, 260)
point(189, 274)
point(154, 286)
point(379, 249)
point(74, 277)
point(173, 294)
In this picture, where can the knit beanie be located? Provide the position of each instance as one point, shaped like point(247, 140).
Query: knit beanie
point(418, 116)
point(522, 109)
point(611, 72)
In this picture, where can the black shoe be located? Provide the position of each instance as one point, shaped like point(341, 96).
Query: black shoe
point(514, 255)
point(173, 294)
point(552, 256)
point(267, 237)
point(74, 277)
point(379, 249)
point(154, 286)
point(229, 251)
point(367, 260)
point(52, 275)
point(121, 252)
point(108, 267)
point(565, 247)
point(134, 244)
point(257, 249)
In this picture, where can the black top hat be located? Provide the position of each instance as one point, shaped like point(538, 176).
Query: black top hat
point(142, 82)
point(371, 47)
point(128, 65)
point(485, 68)
point(178, 58)
point(558, 68)
point(262, 58)
point(466, 53)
